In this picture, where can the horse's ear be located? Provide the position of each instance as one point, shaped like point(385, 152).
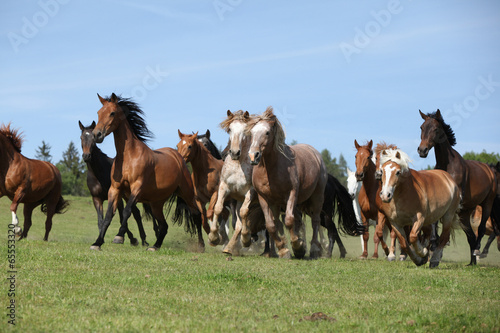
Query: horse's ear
point(356, 144)
point(370, 144)
point(424, 117)
point(398, 155)
point(383, 152)
point(180, 134)
point(113, 98)
point(207, 134)
point(246, 115)
point(103, 101)
point(438, 114)
point(81, 126)
point(229, 113)
point(92, 126)
point(195, 135)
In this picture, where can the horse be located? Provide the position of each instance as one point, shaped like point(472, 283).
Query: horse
point(417, 199)
point(144, 175)
point(369, 200)
point(99, 181)
point(490, 231)
point(207, 142)
point(285, 177)
point(28, 181)
point(476, 181)
point(205, 176)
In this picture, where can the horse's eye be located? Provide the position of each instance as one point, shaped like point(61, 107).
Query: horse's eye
point(189, 147)
point(398, 172)
point(112, 114)
point(267, 133)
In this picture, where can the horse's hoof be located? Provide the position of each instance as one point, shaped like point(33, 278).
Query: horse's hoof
point(284, 254)
point(18, 231)
point(342, 254)
point(152, 249)
point(477, 253)
point(362, 257)
point(402, 258)
point(118, 240)
point(375, 256)
point(300, 252)
point(134, 242)
point(213, 238)
point(201, 248)
point(483, 255)
point(246, 240)
point(144, 243)
point(433, 264)
point(95, 248)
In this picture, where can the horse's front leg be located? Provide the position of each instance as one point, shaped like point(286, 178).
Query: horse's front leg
point(243, 211)
point(380, 231)
point(401, 234)
point(233, 246)
point(214, 237)
point(272, 215)
point(127, 212)
point(114, 195)
point(19, 195)
point(414, 239)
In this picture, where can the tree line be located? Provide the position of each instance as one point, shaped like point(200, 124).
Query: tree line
point(74, 170)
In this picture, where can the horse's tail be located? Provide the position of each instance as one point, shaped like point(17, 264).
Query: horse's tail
point(61, 206)
point(147, 212)
point(183, 215)
point(495, 213)
point(336, 193)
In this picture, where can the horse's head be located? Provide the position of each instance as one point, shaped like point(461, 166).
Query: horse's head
point(110, 116)
point(267, 133)
point(87, 139)
point(235, 125)
point(395, 164)
point(204, 139)
point(381, 146)
point(432, 132)
point(353, 185)
point(188, 145)
point(363, 159)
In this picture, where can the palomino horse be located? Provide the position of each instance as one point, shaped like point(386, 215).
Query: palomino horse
point(99, 182)
point(369, 200)
point(416, 199)
point(285, 177)
point(476, 181)
point(205, 176)
point(27, 181)
point(143, 175)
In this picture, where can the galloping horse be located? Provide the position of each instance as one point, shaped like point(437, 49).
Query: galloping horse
point(417, 199)
point(99, 182)
point(476, 181)
point(207, 142)
point(27, 181)
point(285, 177)
point(206, 174)
point(144, 175)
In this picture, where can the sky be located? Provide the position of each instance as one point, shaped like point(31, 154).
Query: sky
point(334, 71)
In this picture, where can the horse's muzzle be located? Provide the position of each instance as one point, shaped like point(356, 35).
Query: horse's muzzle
point(423, 152)
point(255, 158)
point(99, 136)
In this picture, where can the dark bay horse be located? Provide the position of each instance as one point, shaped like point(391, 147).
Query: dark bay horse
point(27, 181)
point(417, 199)
point(476, 181)
point(208, 143)
point(144, 175)
point(99, 181)
point(285, 177)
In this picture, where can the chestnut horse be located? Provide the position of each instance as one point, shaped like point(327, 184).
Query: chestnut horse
point(418, 199)
point(27, 181)
point(476, 181)
point(205, 176)
point(144, 175)
point(99, 182)
point(286, 177)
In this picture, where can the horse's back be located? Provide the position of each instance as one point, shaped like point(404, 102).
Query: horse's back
point(38, 178)
point(439, 187)
point(481, 182)
point(311, 170)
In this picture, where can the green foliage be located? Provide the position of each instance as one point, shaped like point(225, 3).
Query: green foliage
point(488, 158)
point(336, 169)
point(73, 172)
point(43, 152)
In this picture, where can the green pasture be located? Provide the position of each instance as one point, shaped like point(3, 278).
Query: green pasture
point(62, 286)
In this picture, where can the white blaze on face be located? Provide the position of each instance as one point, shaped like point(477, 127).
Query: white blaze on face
point(352, 184)
point(388, 171)
point(237, 129)
point(258, 131)
point(183, 142)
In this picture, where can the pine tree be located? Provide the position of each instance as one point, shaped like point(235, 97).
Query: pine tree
point(43, 152)
point(73, 171)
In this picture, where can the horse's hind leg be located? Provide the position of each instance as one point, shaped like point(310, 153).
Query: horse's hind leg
point(486, 248)
point(137, 216)
point(28, 212)
point(120, 236)
point(447, 222)
point(157, 211)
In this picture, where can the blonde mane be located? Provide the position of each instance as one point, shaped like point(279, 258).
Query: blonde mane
point(240, 115)
point(276, 127)
point(397, 156)
point(383, 146)
point(13, 135)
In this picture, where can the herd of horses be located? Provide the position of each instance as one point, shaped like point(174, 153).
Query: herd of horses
point(264, 185)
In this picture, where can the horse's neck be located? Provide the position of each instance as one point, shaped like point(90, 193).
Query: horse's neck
point(9, 154)
point(203, 161)
point(448, 159)
point(126, 143)
point(99, 164)
point(370, 183)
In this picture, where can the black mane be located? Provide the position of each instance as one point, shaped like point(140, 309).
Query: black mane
point(207, 142)
point(446, 128)
point(135, 117)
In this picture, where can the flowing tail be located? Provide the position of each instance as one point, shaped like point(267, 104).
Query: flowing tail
point(342, 205)
point(183, 214)
point(61, 206)
point(495, 213)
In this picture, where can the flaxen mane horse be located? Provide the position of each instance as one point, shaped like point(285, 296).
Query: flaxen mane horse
point(27, 181)
point(417, 199)
point(144, 175)
point(476, 181)
point(286, 177)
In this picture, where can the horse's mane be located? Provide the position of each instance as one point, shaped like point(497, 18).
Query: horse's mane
point(238, 115)
point(211, 147)
point(397, 156)
point(446, 128)
point(13, 135)
point(384, 146)
point(277, 128)
point(135, 117)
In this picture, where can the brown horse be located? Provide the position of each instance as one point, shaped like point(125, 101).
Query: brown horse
point(144, 175)
point(476, 181)
point(205, 176)
point(286, 177)
point(418, 199)
point(27, 181)
point(368, 198)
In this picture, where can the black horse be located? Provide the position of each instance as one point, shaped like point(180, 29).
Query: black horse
point(99, 182)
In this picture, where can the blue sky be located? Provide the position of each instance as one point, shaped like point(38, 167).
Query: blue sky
point(334, 71)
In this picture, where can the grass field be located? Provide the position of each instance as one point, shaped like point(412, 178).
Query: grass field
point(62, 286)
